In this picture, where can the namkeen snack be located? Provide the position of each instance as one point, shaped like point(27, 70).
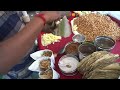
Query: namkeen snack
point(47, 53)
point(95, 24)
point(45, 64)
point(48, 74)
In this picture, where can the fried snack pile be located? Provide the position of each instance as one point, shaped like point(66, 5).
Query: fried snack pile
point(100, 65)
point(92, 25)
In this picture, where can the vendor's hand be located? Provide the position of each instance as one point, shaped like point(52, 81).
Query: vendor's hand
point(47, 29)
point(51, 15)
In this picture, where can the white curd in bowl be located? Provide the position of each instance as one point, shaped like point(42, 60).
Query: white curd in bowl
point(68, 64)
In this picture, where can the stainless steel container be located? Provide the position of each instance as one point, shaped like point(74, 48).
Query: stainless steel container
point(78, 38)
point(66, 63)
point(104, 43)
point(72, 49)
point(86, 49)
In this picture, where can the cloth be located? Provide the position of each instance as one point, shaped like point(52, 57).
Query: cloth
point(11, 23)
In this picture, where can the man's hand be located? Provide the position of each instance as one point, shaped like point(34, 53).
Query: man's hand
point(53, 15)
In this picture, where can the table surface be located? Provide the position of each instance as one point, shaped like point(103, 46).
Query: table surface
point(59, 45)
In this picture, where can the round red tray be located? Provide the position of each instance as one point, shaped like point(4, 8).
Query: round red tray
point(56, 47)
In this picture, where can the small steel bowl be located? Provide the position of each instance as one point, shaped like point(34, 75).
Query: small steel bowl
point(86, 49)
point(104, 43)
point(65, 48)
point(78, 38)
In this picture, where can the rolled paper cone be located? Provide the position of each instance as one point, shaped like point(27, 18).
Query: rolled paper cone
point(38, 54)
point(35, 66)
point(55, 74)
